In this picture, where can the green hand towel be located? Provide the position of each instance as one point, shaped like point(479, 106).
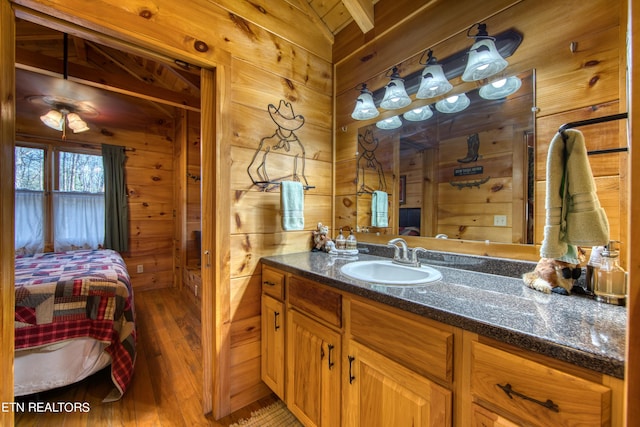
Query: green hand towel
point(292, 205)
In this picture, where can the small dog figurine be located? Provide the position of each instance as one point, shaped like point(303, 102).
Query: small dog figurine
point(552, 275)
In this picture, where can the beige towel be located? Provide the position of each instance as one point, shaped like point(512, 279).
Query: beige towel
point(573, 212)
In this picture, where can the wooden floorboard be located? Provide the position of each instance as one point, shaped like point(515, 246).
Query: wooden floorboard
point(166, 389)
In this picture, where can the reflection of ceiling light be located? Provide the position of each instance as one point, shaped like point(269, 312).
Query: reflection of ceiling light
point(434, 82)
point(418, 114)
point(501, 88)
point(61, 117)
point(365, 108)
point(395, 95)
point(484, 59)
point(390, 123)
point(453, 104)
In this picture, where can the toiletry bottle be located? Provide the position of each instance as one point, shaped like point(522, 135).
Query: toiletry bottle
point(341, 242)
point(611, 284)
point(595, 259)
point(352, 243)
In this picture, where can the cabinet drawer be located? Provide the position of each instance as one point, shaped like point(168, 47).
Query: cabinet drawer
point(273, 282)
point(427, 350)
point(536, 393)
point(316, 299)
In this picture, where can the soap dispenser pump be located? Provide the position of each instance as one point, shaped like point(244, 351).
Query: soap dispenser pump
point(611, 286)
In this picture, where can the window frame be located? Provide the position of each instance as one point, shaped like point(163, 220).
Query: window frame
point(51, 179)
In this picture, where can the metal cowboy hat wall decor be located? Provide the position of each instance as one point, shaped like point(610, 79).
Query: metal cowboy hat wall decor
point(283, 141)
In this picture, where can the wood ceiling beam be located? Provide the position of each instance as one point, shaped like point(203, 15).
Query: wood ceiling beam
point(30, 61)
point(362, 13)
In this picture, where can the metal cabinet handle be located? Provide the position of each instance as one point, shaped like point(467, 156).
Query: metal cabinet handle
point(351, 377)
point(330, 347)
point(549, 404)
point(268, 283)
point(208, 257)
point(275, 320)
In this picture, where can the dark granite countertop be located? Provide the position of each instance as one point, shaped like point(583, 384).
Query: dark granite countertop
point(574, 329)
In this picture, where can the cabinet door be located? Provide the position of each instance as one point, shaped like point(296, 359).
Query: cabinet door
point(380, 392)
point(273, 351)
point(313, 359)
point(481, 417)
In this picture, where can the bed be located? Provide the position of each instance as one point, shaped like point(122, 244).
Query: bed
point(74, 316)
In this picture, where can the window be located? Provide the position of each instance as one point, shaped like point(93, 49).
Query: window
point(63, 208)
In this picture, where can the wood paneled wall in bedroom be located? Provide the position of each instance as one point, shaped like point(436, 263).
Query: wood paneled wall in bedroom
point(149, 173)
point(579, 74)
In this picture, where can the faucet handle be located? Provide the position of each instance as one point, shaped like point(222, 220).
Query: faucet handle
point(414, 254)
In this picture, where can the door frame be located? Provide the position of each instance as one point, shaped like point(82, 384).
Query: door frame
point(215, 158)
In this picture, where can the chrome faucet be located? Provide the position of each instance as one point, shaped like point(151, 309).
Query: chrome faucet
point(401, 252)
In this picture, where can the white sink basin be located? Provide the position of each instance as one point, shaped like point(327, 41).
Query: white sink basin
point(390, 274)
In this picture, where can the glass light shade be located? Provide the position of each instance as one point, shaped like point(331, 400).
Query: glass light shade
point(390, 123)
point(484, 61)
point(433, 83)
point(54, 119)
point(76, 123)
point(453, 104)
point(365, 108)
point(501, 88)
point(418, 114)
point(395, 96)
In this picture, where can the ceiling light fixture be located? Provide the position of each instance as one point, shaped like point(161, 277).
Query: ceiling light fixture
point(433, 82)
point(61, 117)
point(395, 95)
point(365, 108)
point(500, 88)
point(484, 60)
point(453, 104)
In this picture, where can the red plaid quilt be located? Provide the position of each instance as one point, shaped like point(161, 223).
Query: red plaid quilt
point(85, 293)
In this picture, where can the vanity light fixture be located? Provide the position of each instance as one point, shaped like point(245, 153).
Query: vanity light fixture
point(453, 104)
point(433, 82)
point(395, 95)
point(389, 123)
point(500, 88)
point(365, 108)
point(418, 114)
point(484, 60)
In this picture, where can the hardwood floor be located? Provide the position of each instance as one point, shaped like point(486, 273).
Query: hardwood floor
point(166, 389)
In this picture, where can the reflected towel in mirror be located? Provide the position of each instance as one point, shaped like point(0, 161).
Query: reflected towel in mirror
point(379, 209)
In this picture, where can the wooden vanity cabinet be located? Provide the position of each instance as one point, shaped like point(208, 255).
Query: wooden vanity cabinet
point(272, 331)
point(527, 392)
point(354, 362)
point(380, 392)
point(273, 346)
point(314, 352)
point(393, 364)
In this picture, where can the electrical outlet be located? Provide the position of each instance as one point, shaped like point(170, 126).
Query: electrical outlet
point(500, 220)
point(140, 268)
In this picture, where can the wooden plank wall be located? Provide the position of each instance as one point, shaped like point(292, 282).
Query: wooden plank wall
point(570, 85)
point(286, 63)
point(149, 170)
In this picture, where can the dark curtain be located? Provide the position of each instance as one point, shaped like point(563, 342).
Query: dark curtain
point(116, 210)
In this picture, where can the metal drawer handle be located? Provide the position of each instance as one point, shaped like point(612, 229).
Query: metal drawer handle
point(266, 282)
point(351, 377)
point(330, 362)
point(275, 320)
point(508, 389)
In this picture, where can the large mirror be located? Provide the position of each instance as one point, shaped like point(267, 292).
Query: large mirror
point(464, 175)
